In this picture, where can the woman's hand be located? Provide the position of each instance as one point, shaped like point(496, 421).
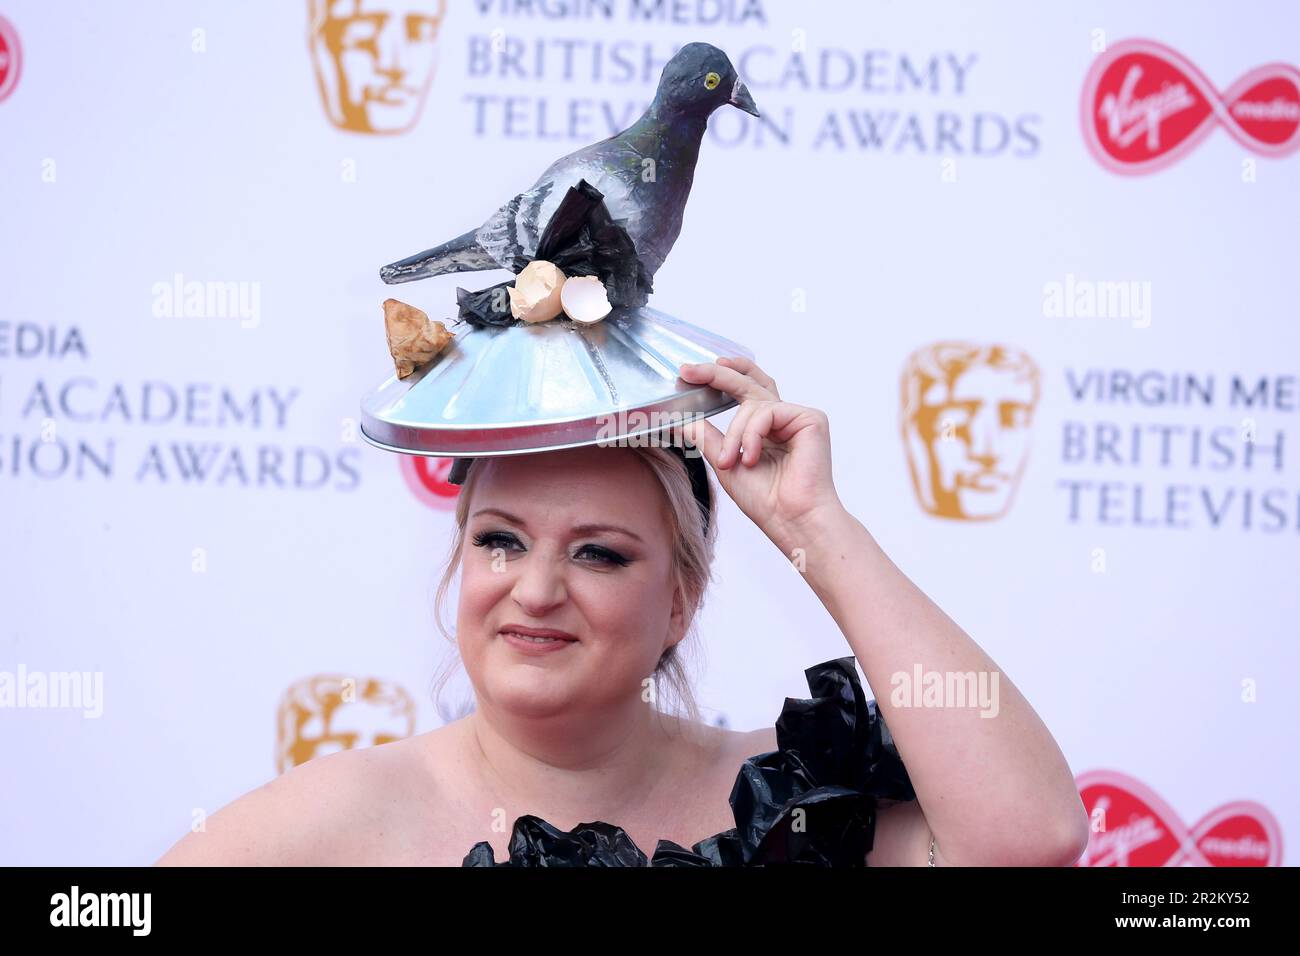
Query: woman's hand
point(775, 458)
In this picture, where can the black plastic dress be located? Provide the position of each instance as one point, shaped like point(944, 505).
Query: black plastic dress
point(811, 802)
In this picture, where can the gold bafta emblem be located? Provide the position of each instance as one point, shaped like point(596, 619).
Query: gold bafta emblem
point(374, 61)
point(330, 712)
point(966, 415)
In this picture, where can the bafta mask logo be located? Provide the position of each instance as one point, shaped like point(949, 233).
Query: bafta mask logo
point(374, 60)
point(331, 712)
point(966, 415)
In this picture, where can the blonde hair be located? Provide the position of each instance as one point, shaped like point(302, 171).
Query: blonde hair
point(692, 563)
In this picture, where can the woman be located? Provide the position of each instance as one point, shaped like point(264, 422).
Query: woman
point(581, 571)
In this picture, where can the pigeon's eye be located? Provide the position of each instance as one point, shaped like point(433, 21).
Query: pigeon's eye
point(711, 81)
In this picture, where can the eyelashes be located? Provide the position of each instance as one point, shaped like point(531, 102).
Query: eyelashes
point(493, 539)
point(501, 539)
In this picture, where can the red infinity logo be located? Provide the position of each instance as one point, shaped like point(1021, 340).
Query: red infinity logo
point(1132, 826)
point(426, 478)
point(11, 58)
point(1145, 105)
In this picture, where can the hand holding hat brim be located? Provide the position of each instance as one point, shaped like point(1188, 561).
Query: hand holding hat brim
point(784, 448)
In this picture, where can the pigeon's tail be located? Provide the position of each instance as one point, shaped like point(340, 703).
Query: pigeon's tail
point(462, 254)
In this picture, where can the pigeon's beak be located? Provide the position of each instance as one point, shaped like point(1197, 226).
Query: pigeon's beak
point(414, 267)
point(741, 99)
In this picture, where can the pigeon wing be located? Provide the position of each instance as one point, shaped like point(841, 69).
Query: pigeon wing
point(513, 232)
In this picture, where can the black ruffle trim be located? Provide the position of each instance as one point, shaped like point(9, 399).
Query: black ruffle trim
point(812, 801)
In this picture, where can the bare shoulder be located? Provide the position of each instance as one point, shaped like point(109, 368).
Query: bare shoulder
point(756, 742)
point(717, 746)
point(328, 810)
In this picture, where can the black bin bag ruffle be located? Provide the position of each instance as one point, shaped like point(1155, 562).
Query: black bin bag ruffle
point(810, 802)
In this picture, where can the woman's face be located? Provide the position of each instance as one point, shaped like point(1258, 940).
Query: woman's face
point(575, 541)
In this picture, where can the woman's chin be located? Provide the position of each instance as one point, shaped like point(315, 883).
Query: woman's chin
point(529, 691)
point(531, 705)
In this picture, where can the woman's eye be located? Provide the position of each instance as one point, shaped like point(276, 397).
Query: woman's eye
point(589, 552)
point(603, 555)
point(494, 539)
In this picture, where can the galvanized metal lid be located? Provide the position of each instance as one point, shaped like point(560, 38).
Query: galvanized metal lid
point(546, 386)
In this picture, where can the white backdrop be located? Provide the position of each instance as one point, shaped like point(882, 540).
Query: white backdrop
point(188, 518)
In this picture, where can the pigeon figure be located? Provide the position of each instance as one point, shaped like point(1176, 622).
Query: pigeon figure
point(644, 174)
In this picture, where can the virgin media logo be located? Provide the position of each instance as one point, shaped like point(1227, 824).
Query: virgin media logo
point(1145, 105)
point(427, 480)
point(1132, 826)
point(11, 58)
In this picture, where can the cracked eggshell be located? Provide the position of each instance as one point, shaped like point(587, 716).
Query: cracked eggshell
point(584, 299)
point(535, 296)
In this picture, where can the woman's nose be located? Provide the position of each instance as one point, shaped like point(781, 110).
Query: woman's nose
point(539, 584)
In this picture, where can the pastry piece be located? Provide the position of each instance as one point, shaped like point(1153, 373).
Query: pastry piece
point(412, 338)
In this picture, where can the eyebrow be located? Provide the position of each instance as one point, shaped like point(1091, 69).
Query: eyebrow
point(576, 529)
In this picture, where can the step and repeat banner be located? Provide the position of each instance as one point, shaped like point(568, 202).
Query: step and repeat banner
point(1036, 261)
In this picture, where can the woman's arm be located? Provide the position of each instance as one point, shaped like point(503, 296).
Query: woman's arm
point(996, 790)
